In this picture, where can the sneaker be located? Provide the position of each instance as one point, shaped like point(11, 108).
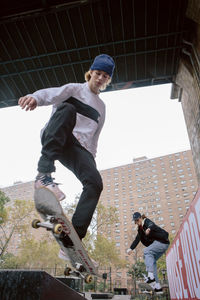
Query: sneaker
point(158, 291)
point(47, 181)
point(151, 282)
point(63, 255)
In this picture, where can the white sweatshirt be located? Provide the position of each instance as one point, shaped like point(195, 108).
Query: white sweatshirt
point(86, 129)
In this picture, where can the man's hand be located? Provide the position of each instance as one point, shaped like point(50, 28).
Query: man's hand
point(27, 102)
point(129, 251)
point(147, 231)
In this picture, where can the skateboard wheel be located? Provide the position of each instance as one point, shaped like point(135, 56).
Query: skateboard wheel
point(67, 271)
point(88, 278)
point(57, 228)
point(35, 223)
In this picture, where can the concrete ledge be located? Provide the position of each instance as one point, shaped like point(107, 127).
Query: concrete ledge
point(33, 285)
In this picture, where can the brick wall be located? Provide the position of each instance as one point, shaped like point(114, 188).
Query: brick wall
point(188, 80)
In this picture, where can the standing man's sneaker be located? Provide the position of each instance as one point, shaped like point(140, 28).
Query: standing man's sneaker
point(47, 181)
point(158, 291)
point(151, 282)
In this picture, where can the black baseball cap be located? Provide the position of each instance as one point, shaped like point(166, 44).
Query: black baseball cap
point(136, 216)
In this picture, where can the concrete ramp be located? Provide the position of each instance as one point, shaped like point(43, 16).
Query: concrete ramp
point(34, 285)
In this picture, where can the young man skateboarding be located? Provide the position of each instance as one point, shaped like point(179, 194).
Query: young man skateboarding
point(72, 134)
point(156, 241)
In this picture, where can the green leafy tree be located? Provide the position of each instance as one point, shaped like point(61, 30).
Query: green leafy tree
point(3, 200)
point(161, 263)
point(39, 253)
point(35, 254)
point(16, 222)
point(105, 253)
point(137, 270)
point(8, 261)
point(103, 217)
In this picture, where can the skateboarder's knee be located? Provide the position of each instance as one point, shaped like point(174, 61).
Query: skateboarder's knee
point(93, 182)
point(95, 187)
point(98, 185)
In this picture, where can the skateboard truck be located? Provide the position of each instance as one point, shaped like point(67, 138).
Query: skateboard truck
point(78, 272)
point(80, 267)
point(49, 224)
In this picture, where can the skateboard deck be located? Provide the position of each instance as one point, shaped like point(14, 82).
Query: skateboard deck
point(146, 286)
point(55, 220)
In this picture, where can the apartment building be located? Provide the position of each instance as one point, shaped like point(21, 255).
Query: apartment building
point(20, 190)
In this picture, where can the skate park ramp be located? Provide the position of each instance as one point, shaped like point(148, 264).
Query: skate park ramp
point(33, 285)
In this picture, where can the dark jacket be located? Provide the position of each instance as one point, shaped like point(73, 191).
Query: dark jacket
point(156, 234)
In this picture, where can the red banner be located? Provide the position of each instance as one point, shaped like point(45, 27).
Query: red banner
point(183, 257)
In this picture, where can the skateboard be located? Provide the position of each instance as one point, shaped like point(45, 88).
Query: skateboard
point(146, 287)
point(55, 221)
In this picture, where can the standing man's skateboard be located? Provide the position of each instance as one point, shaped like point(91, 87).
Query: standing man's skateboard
point(146, 287)
point(55, 220)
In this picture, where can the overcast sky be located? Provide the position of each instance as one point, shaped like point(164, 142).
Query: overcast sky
point(139, 122)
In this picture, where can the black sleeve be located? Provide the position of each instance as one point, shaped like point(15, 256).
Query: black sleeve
point(135, 242)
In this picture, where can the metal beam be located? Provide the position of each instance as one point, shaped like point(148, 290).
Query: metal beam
point(87, 61)
point(67, 51)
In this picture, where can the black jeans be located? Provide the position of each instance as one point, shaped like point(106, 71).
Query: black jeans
point(58, 143)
